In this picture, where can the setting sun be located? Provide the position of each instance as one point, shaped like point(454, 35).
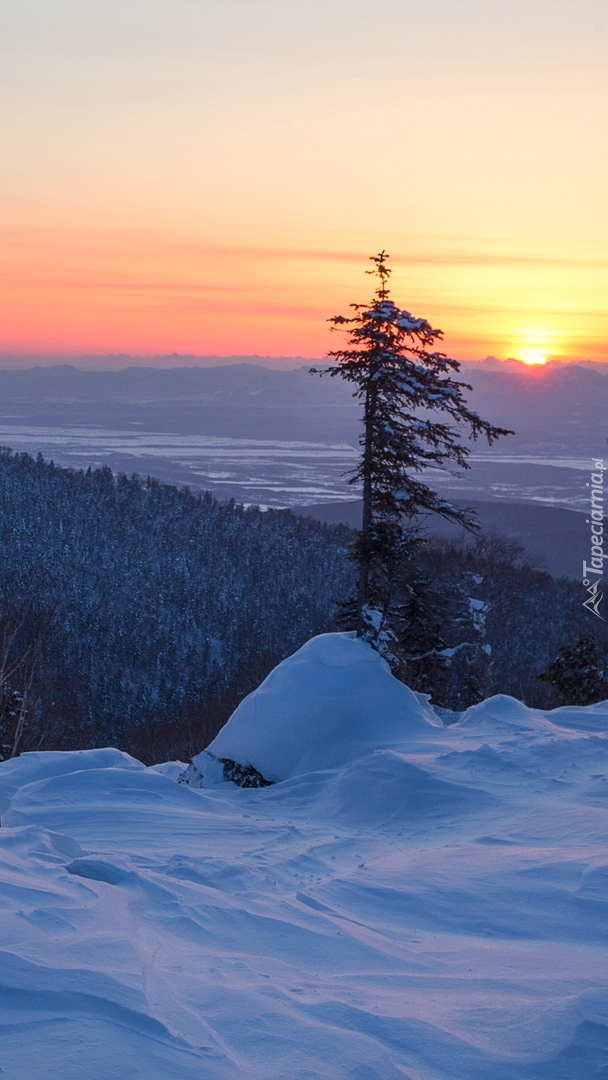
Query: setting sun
point(532, 356)
point(535, 345)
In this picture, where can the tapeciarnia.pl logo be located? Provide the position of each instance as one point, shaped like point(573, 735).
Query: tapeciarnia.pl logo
point(596, 521)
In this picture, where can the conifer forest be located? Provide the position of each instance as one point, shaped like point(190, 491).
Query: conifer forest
point(138, 614)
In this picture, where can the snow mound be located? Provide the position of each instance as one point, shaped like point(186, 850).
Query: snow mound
point(379, 790)
point(172, 769)
point(579, 718)
point(28, 768)
point(332, 702)
point(55, 796)
point(502, 714)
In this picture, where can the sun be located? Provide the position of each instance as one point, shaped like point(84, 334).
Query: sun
point(534, 345)
point(532, 356)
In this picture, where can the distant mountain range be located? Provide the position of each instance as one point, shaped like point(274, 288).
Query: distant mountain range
point(558, 407)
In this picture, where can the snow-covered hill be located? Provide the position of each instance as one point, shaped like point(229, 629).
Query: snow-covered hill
point(408, 901)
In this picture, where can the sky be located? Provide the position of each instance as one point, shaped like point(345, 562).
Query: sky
point(211, 176)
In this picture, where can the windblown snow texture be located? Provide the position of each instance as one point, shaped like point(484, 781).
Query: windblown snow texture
point(405, 901)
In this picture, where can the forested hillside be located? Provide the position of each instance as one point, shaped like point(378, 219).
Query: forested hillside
point(129, 602)
point(136, 614)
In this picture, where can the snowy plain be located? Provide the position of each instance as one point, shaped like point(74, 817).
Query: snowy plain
point(285, 473)
point(407, 900)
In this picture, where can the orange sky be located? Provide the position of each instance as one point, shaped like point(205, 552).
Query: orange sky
point(201, 177)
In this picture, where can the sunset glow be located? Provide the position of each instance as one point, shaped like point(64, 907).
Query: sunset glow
point(211, 178)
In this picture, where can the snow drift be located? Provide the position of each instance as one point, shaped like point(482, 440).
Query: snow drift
point(332, 702)
point(410, 902)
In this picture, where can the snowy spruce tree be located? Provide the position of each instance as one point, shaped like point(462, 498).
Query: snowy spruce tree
point(579, 674)
point(401, 381)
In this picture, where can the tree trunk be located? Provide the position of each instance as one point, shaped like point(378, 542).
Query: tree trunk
point(366, 523)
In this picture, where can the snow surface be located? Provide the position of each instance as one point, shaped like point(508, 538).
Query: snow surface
point(431, 905)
